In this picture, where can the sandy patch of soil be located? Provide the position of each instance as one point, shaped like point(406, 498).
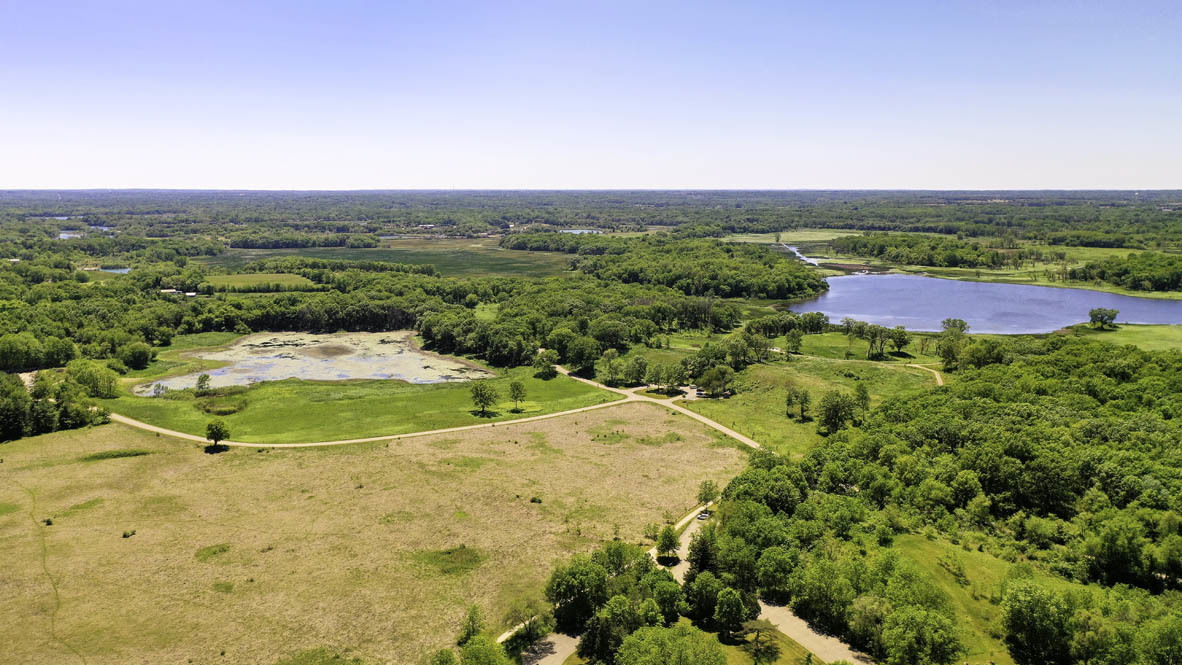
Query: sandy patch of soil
point(336, 357)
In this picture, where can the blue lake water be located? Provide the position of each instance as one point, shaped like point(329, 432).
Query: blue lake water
point(921, 303)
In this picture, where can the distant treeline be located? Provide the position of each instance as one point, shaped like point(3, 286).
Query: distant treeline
point(927, 250)
point(1099, 219)
point(1143, 271)
point(694, 267)
point(258, 240)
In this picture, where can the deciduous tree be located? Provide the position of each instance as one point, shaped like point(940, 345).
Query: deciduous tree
point(483, 396)
point(517, 394)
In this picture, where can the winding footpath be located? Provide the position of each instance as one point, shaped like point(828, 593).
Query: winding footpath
point(939, 376)
point(556, 647)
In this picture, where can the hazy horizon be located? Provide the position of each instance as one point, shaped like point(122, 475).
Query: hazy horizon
point(746, 96)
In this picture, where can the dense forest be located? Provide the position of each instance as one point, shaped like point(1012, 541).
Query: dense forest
point(694, 267)
point(936, 251)
point(1064, 453)
point(1143, 271)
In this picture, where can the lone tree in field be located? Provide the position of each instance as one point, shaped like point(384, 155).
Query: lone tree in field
point(203, 383)
point(1102, 317)
point(667, 542)
point(792, 340)
point(216, 431)
point(517, 394)
point(483, 396)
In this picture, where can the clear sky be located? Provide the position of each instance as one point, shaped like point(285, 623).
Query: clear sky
point(597, 94)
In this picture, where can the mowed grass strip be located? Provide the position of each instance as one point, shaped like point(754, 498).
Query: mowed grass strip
point(292, 410)
point(320, 554)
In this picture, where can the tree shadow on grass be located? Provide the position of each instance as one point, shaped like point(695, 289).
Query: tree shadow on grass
point(484, 414)
point(215, 448)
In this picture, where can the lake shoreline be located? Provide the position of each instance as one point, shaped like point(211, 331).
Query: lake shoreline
point(921, 302)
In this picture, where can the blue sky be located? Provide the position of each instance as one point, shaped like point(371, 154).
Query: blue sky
point(343, 95)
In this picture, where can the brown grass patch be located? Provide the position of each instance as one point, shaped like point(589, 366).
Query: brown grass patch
point(373, 548)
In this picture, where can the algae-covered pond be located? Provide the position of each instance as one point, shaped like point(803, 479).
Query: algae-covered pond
point(335, 357)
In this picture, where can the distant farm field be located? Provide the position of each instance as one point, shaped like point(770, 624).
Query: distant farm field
point(257, 279)
point(791, 237)
point(372, 551)
point(452, 257)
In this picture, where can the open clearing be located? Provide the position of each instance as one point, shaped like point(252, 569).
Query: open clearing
point(1149, 338)
point(757, 408)
point(791, 237)
point(295, 410)
point(249, 280)
point(374, 548)
point(458, 257)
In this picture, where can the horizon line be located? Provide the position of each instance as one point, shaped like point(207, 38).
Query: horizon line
point(589, 189)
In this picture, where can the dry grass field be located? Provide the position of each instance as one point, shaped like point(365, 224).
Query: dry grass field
point(159, 553)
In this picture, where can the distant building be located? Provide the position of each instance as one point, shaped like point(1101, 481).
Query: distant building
point(169, 291)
